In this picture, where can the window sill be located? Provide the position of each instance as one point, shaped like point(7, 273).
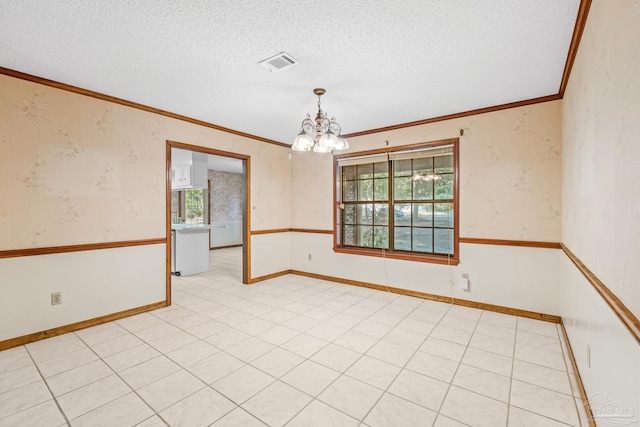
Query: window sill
point(406, 256)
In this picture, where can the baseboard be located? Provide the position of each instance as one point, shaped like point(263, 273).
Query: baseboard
point(583, 393)
point(60, 330)
point(467, 303)
point(269, 276)
point(213, 248)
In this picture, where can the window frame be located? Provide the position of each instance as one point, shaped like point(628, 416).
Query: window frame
point(452, 259)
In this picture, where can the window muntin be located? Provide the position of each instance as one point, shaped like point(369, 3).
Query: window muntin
point(418, 187)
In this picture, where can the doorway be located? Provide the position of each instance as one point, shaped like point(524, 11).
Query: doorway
point(244, 224)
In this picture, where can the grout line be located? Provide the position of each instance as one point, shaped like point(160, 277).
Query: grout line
point(55, 399)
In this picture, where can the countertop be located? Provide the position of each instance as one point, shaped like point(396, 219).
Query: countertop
point(190, 227)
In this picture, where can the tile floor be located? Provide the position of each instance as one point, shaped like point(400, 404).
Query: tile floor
point(294, 351)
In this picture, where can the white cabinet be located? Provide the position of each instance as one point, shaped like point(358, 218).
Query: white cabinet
point(188, 169)
point(182, 176)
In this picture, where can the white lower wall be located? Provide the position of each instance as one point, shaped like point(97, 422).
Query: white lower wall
point(93, 284)
point(270, 253)
point(614, 373)
point(225, 233)
point(517, 277)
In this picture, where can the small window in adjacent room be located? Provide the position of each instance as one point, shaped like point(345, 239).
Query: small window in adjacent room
point(195, 208)
point(399, 203)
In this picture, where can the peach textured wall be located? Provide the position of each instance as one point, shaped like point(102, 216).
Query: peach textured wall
point(510, 171)
point(76, 170)
point(601, 127)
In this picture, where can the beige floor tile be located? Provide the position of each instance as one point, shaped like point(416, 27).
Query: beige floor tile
point(250, 349)
point(351, 396)
point(238, 418)
point(551, 404)
point(75, 378)
point(255, 326)
point(498, 319)
point(495, 331)
point(416, 325)
point(539, 356)
point(473, 409)
point(278, 335)
point(462, 312)
point(169, 390)
point(200, 409)
point(391, 353)
point(140, 322)
point(371, 328)
point(22, 398)
point(356, 341)
point(131, 357)
point(300, 323)
point(318, 414)
point(492, 345)
point(458, 323)
point(488, 361)
point(153, 421)
point(447, 349)
point(433, 366)
point(227, 338)
point(405, 338)
point(277, 404)
point(10, 361)
point(521, 418)
point(173, 341)
point(148, 372)
point(374, 372)
point(483, 382)
point(326, 331)
point(447, 333)
point(206, 329)
point(153, 333)
point(192, 353)
point(54, 347)
point(92, 396)
point(420, 389)
point(243, 383)
point(18, 377)
point(336, 357)
point(214, 367)
point(394, 411)
point(116, 345)
point(304, 345)
point(344, 320)
point(43, 414)
point(189, 321)
point(128, 410)
point(443, 421)
point(66, 362)
point(537, 327)
point(542, 376)
point(541, 341)
point(101, 333)
point(310, 377)
point(277, 362)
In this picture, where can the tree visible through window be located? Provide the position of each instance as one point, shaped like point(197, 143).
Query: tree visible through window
point(194, 206)
point(402, 200)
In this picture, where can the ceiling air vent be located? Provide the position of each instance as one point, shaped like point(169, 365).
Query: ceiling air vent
point(278, 62)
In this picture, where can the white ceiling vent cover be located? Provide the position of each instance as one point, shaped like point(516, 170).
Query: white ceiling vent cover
point(278, 62)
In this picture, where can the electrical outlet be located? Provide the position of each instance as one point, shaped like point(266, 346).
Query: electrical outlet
point(464, 283)
point(309, 257)
point(588, 356)
point(56, 298)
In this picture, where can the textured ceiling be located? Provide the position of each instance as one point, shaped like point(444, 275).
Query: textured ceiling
point(382, 63)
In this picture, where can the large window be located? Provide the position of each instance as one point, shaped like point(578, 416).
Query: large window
point(400, 203)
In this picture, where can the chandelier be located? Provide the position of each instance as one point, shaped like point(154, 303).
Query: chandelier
point(322, 134)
